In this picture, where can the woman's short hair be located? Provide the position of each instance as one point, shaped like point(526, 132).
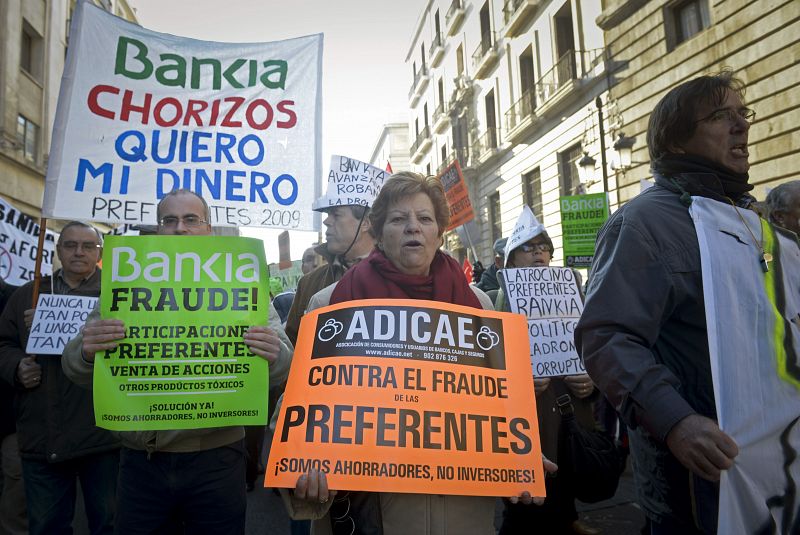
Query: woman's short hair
point(405, 184)
point(674, 119)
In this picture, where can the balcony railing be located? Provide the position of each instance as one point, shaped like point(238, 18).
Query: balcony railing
point(422, 142)
point(521, 110)
point(437, 50)
point(454, 16)
point(571, 66)
point(440, 117)
point(516, 13)
point(421, 74)
point(487, 143)
point(484, 55)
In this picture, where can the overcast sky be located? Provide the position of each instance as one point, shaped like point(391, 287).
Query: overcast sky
point(365, 81)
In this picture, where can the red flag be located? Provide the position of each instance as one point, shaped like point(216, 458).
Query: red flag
point(467, 268)
point(389, 167)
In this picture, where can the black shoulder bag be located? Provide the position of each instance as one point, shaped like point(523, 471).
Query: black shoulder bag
point(589, 458)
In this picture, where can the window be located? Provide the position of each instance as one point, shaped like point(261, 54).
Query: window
point(684, 19)
point(444, 154)
point(532, 191)
point(494, 216)
point(428, 169)
point(491, 121)
point(568, 170)
point(31, 51)
point(28, 138)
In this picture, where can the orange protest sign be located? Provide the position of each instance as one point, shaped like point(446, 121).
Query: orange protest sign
point(410, 396)
point(457, 194)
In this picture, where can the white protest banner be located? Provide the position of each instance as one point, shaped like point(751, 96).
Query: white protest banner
point(142, 113)
point(58, 318)
point(351, 182)
point(754, 345)
point(550, 299)
point(19, 239)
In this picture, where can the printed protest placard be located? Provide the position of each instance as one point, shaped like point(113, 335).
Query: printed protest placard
point(187, 302)
point(142, 113)
point(581, 219)
point(457, 194)
point(19, 243)
point(550, 299)
point(410, 396)
point(288, 276)
point(351, 182)
point(58, 318)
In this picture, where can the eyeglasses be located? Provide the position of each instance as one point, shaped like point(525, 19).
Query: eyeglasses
point(532, 247)
point(86, 246)
point(730, 115)
point(188, 221)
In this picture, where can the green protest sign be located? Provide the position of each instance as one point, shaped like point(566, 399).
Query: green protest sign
point(581, 218)
point(186, 302)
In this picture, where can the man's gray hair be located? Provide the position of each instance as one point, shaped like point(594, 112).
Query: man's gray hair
point(782, 197)
point(82, 225)
point(183, 191)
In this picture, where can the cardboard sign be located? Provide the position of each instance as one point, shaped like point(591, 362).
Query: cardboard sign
point(187, 302)
point(410, 396)
point(58, 318)
point(19, 243)
point(284, 254)
point(549, 297)
point(351, 182)
point(581, 219)
point(142, 113)
point(288, 276)
point(457, 194)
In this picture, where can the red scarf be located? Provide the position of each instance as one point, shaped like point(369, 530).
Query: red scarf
point(376, 277)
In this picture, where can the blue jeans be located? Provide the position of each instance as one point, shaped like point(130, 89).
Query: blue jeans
point(50, 490)
point(195, 493)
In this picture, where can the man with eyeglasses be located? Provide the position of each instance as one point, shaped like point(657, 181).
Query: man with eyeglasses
point(180, 481)
point(643, 333)
point(58, 439)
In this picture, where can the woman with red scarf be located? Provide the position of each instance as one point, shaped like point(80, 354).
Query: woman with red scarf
point(408, 219)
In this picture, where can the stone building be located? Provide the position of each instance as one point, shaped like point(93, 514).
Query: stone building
point(34, 35)
point(509, 89)
point(661, 43)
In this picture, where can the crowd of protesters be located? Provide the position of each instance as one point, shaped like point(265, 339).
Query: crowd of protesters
point(642, 337)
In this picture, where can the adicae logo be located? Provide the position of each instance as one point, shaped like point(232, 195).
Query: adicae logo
point(329, 330)
point(5, 264)
point(487, 338)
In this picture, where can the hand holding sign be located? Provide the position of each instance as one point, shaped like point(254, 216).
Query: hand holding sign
point(580, 385)
point(29, 373)
point(101, 335)
point(313, 487)
point(264, 342)
point(525, 498)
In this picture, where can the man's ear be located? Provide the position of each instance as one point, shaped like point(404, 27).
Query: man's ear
point(366, 224)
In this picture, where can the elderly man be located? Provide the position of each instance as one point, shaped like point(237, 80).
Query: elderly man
point(347, 240)
point(190, 480)
point(783, 204)
point(58, 439)
point(643, 332)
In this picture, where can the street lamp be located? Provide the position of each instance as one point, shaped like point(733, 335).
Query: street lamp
point(586, 168)
point(624, 148)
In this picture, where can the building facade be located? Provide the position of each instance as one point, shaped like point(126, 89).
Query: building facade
point(34, 35)
point(392, 148)
point(509, 89)
point(659, 44)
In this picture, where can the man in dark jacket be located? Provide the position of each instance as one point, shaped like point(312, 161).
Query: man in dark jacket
point(643, 331)
point(58, 439)
point(488, 281)
point(347, 241)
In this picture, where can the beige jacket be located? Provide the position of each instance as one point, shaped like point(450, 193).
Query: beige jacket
point(403, 514)
point(81, 372)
